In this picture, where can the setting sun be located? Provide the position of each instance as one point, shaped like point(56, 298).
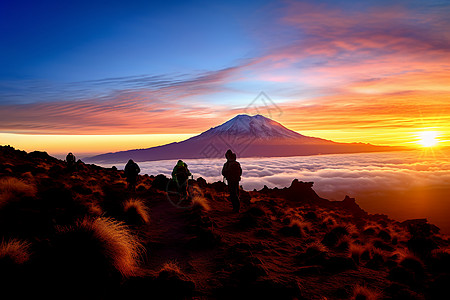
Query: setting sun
point(428, 138)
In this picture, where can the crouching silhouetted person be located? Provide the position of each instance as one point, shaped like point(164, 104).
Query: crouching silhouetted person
point(180, 175)
point(131, 173)
point(71, 161)
point(232, 171)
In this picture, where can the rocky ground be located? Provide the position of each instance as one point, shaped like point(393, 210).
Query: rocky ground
point(79, 234)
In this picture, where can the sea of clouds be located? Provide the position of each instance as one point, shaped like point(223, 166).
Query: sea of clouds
point(404, 185)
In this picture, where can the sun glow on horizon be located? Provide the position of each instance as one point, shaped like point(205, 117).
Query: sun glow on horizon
point(87, 145)
point(428, 138)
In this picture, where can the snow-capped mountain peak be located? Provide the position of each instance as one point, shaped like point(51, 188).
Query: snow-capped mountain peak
point(256, 126)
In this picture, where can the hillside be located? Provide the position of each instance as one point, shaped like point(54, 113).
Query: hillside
point(79, 234)
point(248, 136)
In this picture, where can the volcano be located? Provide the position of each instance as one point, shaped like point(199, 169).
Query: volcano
point(247, 136)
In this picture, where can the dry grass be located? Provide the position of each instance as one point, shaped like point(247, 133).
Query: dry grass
point(343, 243)
point(172, 267)
point(106, 238)
point(304, 226)
point(15, 250)
point(402, 253)
point(94, 209)
point(440, 252)
point(136, 211)
point(329, 221)
point(200, 203)
point(28, 176)
point(371, 230)
point(314, 254)
point(13, 188)
point(414, 264)
point(363, 293)
point(317, 247)
point(332, 238)
point(356, 251)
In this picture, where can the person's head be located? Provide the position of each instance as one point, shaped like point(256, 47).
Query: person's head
point(232, 157)
point(180, 163)
point(130, 161)
point(228, 154)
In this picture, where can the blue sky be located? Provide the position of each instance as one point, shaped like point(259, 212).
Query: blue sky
point(85, 40)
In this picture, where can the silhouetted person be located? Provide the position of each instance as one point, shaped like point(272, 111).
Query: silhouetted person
point(71, 160)
point(131, 173)
point(180, 175)
point(232, 171)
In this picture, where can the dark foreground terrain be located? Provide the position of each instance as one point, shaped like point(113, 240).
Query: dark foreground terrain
point(79, 234)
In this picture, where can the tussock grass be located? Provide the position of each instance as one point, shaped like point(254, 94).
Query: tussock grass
point(303, 226)
point(172, 283)
point(356, 252)
point(363, 293)
point(316, 247)
point(94, 209)
point(440, 260)
point(12, 188)
point(370, 230)
point(14, 250)
point(200, 203)
point(343, 243)
point(332, 237)
point(136, 211)
point(329, 221)
point(27, 176)
point(414, 264)
point(100, 243)
point(172, 267)
point(314, 254)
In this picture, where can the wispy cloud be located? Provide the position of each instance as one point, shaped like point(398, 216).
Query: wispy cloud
point(147, 104)
point(332, 45)
point(363, 69)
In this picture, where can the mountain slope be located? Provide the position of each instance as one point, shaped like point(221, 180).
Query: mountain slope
point(71, 234)
point(248, 136)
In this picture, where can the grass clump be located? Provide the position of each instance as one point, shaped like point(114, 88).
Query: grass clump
point(363, 293)
point(101, 245)
point(15, 251)
point(136, 212)
point(332, 237)
point(296, 228)
point(12, 188)
point(315, 254)
point(200, 204)
point(357, 251)
point(172, 283)
point(172, 267)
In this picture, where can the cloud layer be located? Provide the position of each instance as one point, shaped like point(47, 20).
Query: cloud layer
point(401, 184)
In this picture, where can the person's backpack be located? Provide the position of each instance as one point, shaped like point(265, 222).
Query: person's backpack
point(70, 158)
point(181, 172)
point(131, 170)
point(234, 171)
point(137, 169)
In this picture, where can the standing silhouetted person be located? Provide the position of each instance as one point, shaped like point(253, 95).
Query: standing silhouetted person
point(131, 173)
point(232, 171)
point(180, 175)
point(70, 160)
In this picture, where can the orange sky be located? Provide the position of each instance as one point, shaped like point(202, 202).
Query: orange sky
point(376, 73)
